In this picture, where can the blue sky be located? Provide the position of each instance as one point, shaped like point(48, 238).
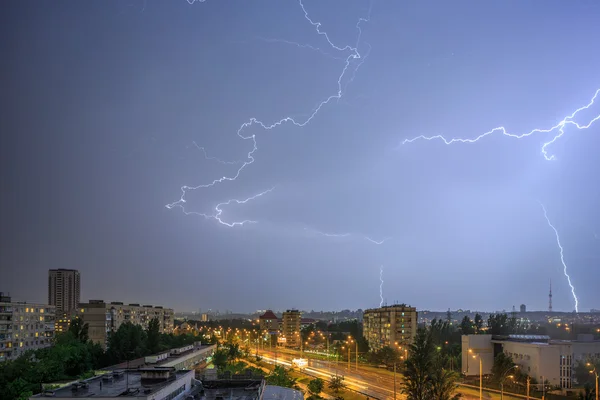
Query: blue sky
point(105, 103)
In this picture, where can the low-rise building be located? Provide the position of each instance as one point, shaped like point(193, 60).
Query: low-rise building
point(269, 322)
point(24, 326)
point(103, 318)
point(394, 325)
point(537, 356)
point(155, 383)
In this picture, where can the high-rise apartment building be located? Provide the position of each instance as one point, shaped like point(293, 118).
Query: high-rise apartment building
point(103, 318)
point(394, 325)
point(64, 290)
point(24, 326)
point(291, 327)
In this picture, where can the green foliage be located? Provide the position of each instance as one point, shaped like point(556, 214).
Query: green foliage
point(336, 383)
point(467, 327)
point(589, 393)
point(425, 377)
point(127, 343)
point(234, 352)
point(315, 386)
point(503, 365)
point(387, 356)
point(153, 335)
point(281, 377)
point(478, 323)
point(79, 330)
point(219, 359)
point(499, 324)
point(582, 371)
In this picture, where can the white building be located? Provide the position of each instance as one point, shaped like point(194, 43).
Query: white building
point(537, 356)
point(24, 326)
point(474, 349)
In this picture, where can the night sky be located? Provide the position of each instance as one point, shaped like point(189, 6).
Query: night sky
point(104, 105)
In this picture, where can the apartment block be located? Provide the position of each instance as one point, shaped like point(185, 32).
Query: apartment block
point(64, 289)
point(103, 318)
point(24, 326)
point(394, 325)
point(291, 328)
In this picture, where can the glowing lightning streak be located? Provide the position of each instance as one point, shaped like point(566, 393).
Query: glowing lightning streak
point(558, 127)
point(562, 259)
point(219, 210)
point(343, 235)
point(354, 55)
point(381, 285)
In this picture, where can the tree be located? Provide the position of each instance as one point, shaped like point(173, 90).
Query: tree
point(337, 383)
point(79, 330)
point(234, 352)
point(502, 365)
point(588, 393)
point(444, 384)
point(219, 359)
point(498, 324)
point(153, 335)
point(425, 374)
point(281, 377)
point(315, 387)
point(466, 326)
point(417, 369)
point(582, 371)
point(478, 323)
point(387, 356)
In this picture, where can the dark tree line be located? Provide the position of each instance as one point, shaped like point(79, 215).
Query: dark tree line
point(74, 356)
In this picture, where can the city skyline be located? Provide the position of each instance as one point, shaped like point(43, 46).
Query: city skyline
point(191, 155)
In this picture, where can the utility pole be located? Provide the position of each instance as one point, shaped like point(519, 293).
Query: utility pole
point(528, 379)
point(480, 378)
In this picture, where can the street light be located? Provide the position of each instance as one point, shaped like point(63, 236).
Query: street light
point(502, 381)
point(595, 372)
point(480, 376)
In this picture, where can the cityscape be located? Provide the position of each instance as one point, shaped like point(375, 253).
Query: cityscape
point(303, 199)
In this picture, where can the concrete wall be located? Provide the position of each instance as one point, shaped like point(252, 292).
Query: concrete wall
point(475, 347)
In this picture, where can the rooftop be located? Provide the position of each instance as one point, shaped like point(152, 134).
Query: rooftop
point(268, 315)
point(125, 384)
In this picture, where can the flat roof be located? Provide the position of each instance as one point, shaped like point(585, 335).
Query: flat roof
point(281, 393)
point(98, 388)
point(172, 361)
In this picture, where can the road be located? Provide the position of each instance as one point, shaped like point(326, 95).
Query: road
point(366, 380)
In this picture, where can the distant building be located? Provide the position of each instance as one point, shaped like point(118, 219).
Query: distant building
point(523, 308)
point(103, 318)
point(291, 328)
point(537, 355)
point(24, 326)
point(393, 325)
point(269, 322)
point(142, 384)
point(64, 289)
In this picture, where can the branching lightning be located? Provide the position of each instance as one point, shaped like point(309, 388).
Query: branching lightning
point(218, 210)
point(381, 286)
point(562, 259)
point(558, 130)
point(352, 56)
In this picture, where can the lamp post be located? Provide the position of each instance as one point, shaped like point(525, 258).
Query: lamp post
point(528, 380)
point(595, 372)
point(502, 381)
point(480, 376)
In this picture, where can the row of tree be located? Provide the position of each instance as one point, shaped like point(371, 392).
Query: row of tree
point(74, 356)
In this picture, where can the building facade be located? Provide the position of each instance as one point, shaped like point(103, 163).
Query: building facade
point(269, 322)
point(64, 289)
point(103, 318)
point(538, 356)
point(24, 326)
point(394, 325)
point(290, 328)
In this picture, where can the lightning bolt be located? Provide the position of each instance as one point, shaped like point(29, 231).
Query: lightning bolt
point(381, 286)
point(206, 156)
point(344, 235)
point(217, 215)
point(558, 130)
point(352, 56)
point(562, 259)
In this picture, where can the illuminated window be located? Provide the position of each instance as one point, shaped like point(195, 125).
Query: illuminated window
point(20, 344)
point(27, 309)
point(81, 310)
point(21, 327)
point(36, 334)
point(41, 318)
point(41, 310)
